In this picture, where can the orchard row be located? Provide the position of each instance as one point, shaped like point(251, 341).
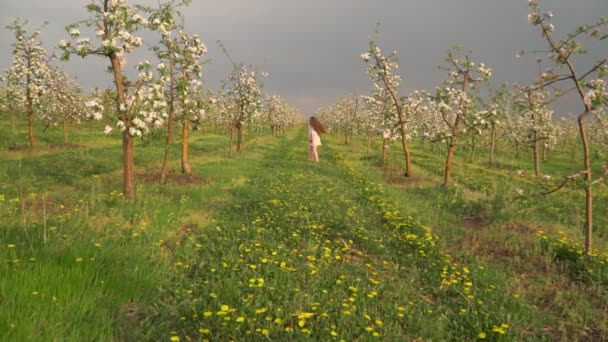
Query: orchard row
point(465, 109)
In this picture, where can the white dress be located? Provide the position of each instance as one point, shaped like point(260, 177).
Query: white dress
point(313, 137)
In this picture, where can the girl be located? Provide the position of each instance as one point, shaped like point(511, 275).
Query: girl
point(314, 130)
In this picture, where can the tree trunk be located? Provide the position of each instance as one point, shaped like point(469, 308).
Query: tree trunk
point(169, 140)
point(492, 145)
point(408, 161)
point(239, 137)
point(30, 107)
point(30, 124)
point(128, 187)
point(536, 155)
point(588, 178)
point(185, 133)
point(472, 149)
point(30, 119)
point(384, 150)
point(64, 125)
point(13, 116)
point(448, 162)
point(231, 139)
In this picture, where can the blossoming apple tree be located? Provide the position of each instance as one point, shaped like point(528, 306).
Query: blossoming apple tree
point(382, 71)
point(139, 105)
point(532, 122)
point(498, 109)
point(589, 86)
point(63, 103)
point(458, 113)
point(241, 94)
point(28, 74)
point(180, 55)
point(280, 115)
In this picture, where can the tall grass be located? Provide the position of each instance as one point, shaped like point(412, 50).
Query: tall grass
point(267, 245)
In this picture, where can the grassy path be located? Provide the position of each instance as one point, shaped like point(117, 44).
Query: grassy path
point(307, 251)
point(267, 245)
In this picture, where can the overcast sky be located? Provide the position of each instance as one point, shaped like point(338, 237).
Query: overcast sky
point(311, 48)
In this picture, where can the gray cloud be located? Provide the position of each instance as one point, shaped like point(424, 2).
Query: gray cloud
point(311, 48)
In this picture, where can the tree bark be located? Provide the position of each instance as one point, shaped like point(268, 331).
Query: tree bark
point(536, 155)
point(128, 187)
point(492, 145)
point(231, 139)
point(588, 178)
point(30, 109)
point(169, 140)
point(472, 149)
point(64, 125)
point(30, 124)
point(384, 150)
point(448, 162)
point(185, 134)
point(239, 137)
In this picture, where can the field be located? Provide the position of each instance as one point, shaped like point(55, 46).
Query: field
point(269, 246)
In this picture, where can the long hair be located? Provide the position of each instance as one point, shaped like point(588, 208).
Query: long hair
point(316, 124)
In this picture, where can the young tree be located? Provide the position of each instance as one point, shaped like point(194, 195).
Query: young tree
point(7, 103)
point(139, 105)
point(385, 79)
point(28, 74)
point(457, 109)
point(498, 110)
point(380, 120)
point(534, 122)
point(590, 88)
point(242, 101)
point(63, 103)
point(280, 115)
point(181, 69)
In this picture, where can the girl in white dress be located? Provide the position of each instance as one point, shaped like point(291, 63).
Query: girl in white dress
point(315, 129)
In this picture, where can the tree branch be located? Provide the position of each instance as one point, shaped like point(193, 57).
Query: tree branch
point(566, 180)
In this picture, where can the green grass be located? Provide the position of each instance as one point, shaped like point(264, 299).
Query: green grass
point(269, 245)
